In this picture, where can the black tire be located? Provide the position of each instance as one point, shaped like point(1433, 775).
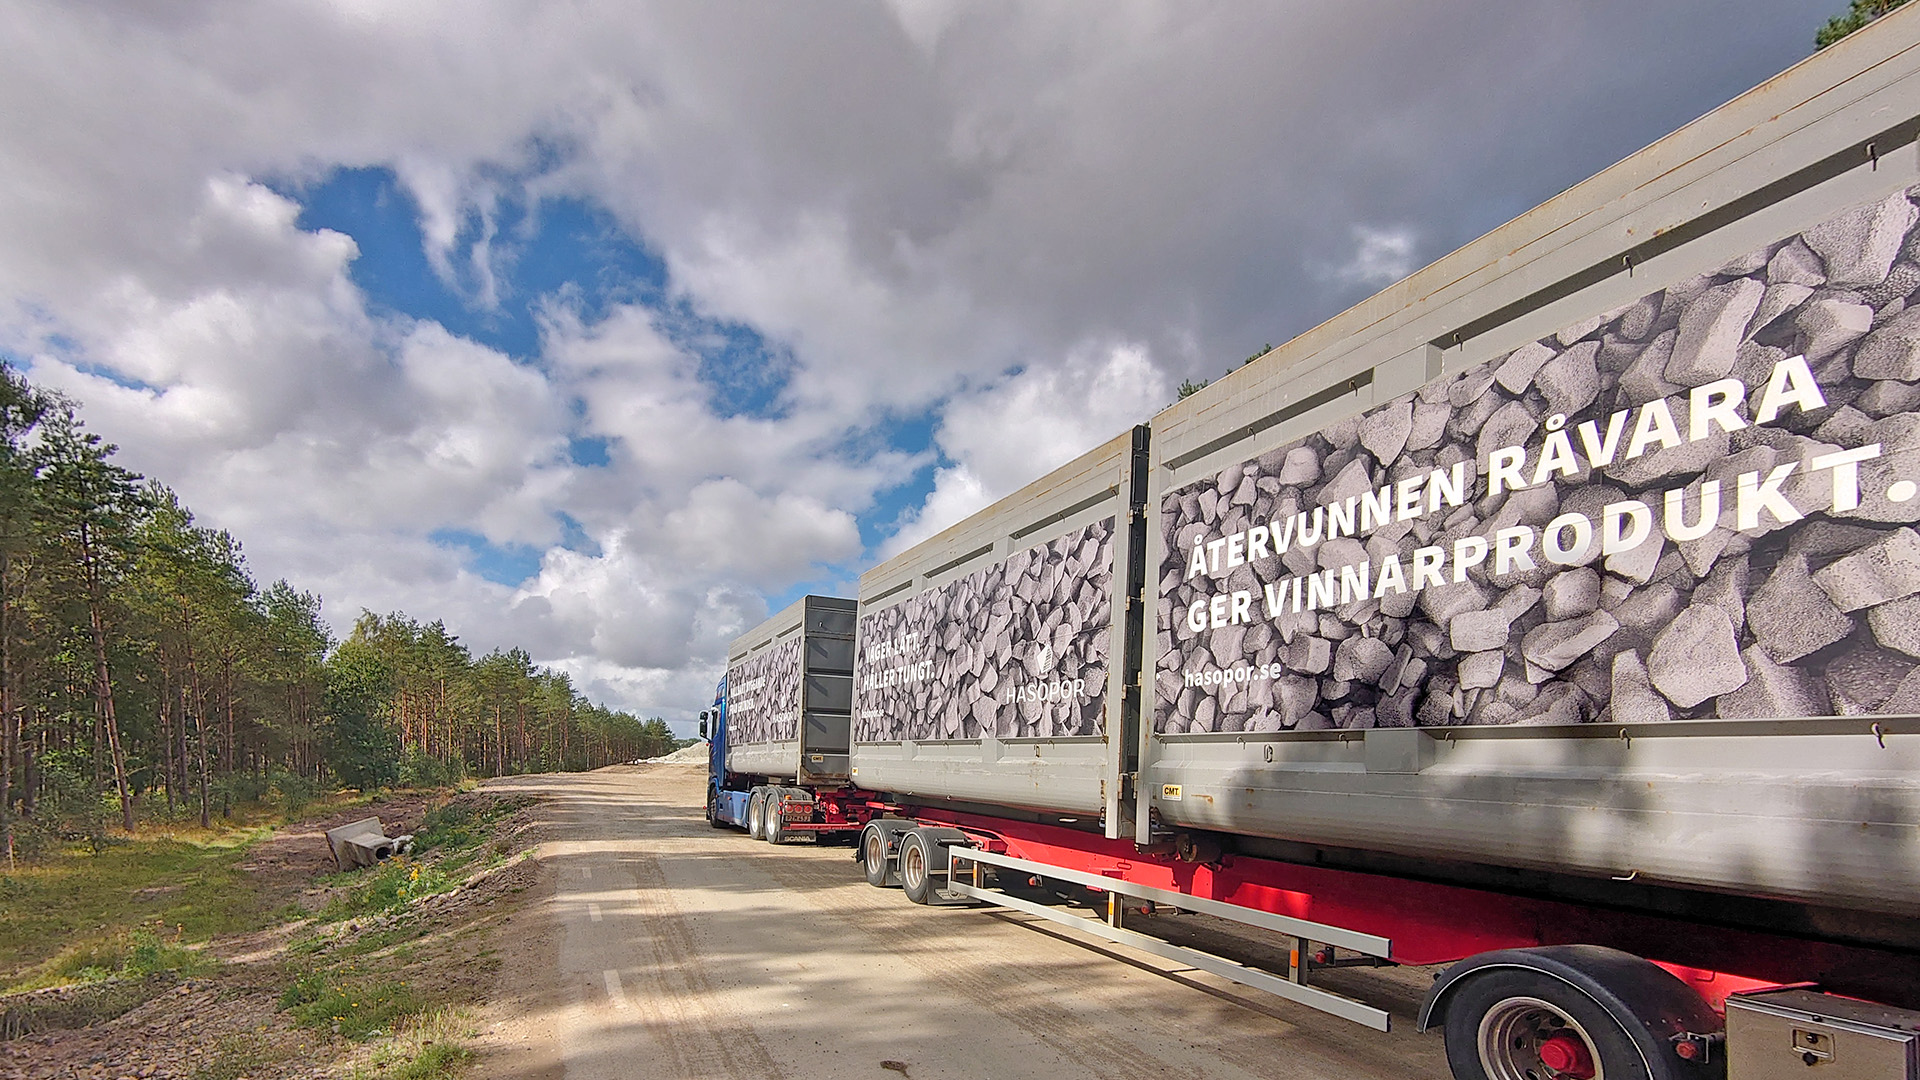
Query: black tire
point(874, 859)
point(773, 818)
point(756, 813)
point(918, 853)
point(713, 811)
point(1501, 1024)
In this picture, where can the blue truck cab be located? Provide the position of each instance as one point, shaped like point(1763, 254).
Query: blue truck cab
point(725, 806)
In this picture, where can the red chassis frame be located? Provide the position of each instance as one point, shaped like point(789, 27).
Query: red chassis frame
point(844, 810)
point(1431, 923)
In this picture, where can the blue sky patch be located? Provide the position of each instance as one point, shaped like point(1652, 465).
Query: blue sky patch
point(574, 537)
point(500, 564)
point(590, 451)
point(560, 248)
point(909, 435)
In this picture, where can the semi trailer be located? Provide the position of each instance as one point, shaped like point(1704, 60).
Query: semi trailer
point(778, 729)
point(1552, 616)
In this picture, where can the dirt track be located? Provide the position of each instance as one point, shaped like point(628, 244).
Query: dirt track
point(661, 947)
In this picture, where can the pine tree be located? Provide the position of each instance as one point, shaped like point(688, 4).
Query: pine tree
point(21, 409)
point(88, 506)
point(1858, 14)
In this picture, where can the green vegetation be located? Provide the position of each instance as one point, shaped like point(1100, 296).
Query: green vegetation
point(1858, 14)
point(240, 1056)
point(78, 1006)
point(381, 983)
point(1188, 387)
point(429, 1047)
point(373, 970)
point(136, 954)
point(452, 834)
point(146, 677)
point(457, 829)
point(358, 1008)
point(77, 915)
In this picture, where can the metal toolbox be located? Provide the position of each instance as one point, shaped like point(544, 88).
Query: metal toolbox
point(1777, 1034)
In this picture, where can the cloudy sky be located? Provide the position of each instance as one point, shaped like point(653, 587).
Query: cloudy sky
point(606, 328)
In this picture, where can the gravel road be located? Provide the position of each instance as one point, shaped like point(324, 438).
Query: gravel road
point(660, 947)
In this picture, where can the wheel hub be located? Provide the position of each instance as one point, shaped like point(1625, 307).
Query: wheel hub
point(1525, 1038)
point(1566, 1055)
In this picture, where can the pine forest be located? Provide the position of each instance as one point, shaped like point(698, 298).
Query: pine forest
point(144, 674)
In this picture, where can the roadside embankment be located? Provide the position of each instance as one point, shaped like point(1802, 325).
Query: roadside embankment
point(244, 953)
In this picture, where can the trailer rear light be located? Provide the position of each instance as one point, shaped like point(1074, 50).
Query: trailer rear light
point(1697, 1048)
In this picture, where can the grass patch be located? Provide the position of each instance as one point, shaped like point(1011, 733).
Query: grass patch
point(239, 1056)
point(347, 946)
point(67, 911)
point(456, 831)
point(382, 981)
point(357, 1009)
point(431, 1047)
point(154, 949)
point(388, 886)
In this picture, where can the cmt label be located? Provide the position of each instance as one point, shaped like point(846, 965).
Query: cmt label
point(1170, 792)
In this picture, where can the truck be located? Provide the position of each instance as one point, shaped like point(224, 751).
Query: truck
point(778, 751)
point(1551, 618)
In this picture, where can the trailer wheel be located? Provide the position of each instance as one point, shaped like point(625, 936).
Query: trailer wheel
point(873, 857)
point(756, 813)
point(1513, 1024)
point(916, 866)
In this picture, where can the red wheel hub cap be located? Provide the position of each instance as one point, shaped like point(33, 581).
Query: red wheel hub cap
point(1568, 1056)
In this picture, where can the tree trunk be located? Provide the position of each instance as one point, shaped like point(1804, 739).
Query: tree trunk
point(180, 712)
point(198, 701)
point(29, 774)
point(166, 731)
point(9, 722)
point(230, 758)
point(103, 677)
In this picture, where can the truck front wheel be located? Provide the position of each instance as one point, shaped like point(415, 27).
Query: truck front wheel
point(1521, 1025)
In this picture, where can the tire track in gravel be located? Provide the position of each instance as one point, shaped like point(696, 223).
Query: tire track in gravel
point(1318, 1042)
point(886, 916)
point(742, 960)
point(678, 1012)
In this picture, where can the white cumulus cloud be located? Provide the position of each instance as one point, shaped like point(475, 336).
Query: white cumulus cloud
point(1020, 224)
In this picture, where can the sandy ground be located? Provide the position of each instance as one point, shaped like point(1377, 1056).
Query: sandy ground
point(657, 946)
